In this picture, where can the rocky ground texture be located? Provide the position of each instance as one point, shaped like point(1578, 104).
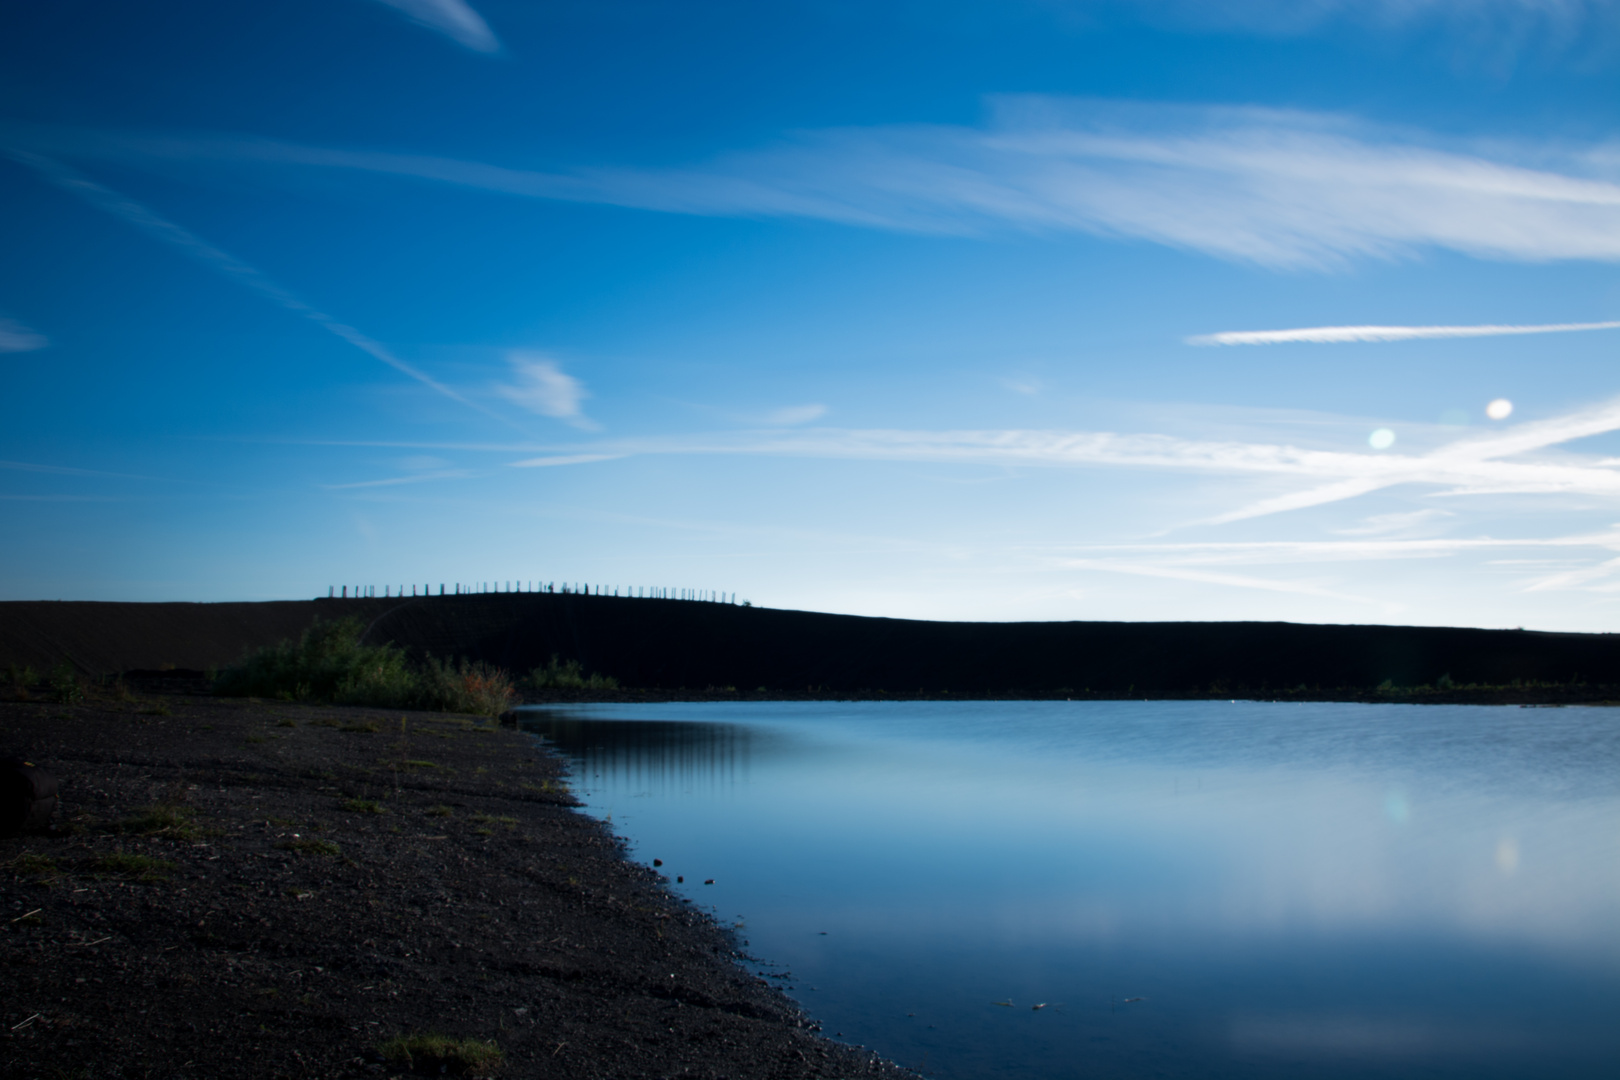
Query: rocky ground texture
point(261, 889)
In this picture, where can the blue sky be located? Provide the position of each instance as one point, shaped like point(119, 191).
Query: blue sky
point(947, 310)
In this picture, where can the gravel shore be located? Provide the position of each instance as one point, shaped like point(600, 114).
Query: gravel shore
point(261, 889)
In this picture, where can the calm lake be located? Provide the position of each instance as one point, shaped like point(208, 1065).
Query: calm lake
point(1148, 889)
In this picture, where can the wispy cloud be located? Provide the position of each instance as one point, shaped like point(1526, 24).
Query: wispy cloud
point(1335, 335)
point(230, 266)
point(1277, 188)
point(1383, 524)
point(452, 18)
point(64, 470)
point(394, 481)
point(1268, 552)
point(15, 337)
point(553, 460)
point(791, 415)
point(1471, 465)
point(1212, 562)
point(542, 387)
point(1492, 35)
point(1513, 19)
point(1211, 577)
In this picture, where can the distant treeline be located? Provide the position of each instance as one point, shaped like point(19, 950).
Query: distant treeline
point(673, 646)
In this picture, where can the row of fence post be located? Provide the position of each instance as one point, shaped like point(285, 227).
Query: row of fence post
point(638, 592)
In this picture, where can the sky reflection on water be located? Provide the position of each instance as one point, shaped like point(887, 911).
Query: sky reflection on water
point(1331, 890)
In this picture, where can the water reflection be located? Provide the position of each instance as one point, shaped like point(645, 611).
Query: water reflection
point(1195, 889)
point(651, 757)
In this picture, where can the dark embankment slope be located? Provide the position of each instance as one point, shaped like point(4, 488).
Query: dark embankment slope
point(673, 645)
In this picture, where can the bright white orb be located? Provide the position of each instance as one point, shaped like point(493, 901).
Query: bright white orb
point(1500, 409)
point(1507, 855)
point(1382, 439)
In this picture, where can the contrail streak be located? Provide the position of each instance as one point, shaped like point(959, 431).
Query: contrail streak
point(1337, 335)
point(104, 198)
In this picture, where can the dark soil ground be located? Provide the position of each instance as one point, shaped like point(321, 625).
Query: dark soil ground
point(251, 889)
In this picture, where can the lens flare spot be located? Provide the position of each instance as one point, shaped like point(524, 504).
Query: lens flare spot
point(1507, 856)
point(1382, 439)
point(1396, 808)
point(1500, 409)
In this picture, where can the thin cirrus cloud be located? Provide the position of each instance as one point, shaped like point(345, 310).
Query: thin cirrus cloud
point(1472, 465)
point(1213, 562)
point(225, 264)
point(542, 387)
point(15, 337)
point(452, 18)
point(791, 415)
point(1506, 22)
point(1337, 335)
point(1284, 189)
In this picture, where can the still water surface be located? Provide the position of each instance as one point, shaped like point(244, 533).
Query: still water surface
point(1190, 889)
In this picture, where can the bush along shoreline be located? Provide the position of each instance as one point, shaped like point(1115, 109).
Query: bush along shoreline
point(329, 664)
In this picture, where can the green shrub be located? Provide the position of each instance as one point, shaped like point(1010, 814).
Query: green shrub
point(22, 679)
point(558, 674)
point(329, 664)
point(438, 1055)
point(66, 688)
point(465, 687)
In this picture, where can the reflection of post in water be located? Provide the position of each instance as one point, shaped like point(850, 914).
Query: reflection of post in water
point(653, 756)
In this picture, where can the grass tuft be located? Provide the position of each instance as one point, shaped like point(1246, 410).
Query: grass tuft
point(134, 867)
point(438, 1055)
point(28, 864)
point(548, 787)
point(165, 819)
point(363, 806)
point(310, 846)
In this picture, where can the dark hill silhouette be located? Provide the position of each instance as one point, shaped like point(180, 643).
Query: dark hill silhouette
point(675, 644)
